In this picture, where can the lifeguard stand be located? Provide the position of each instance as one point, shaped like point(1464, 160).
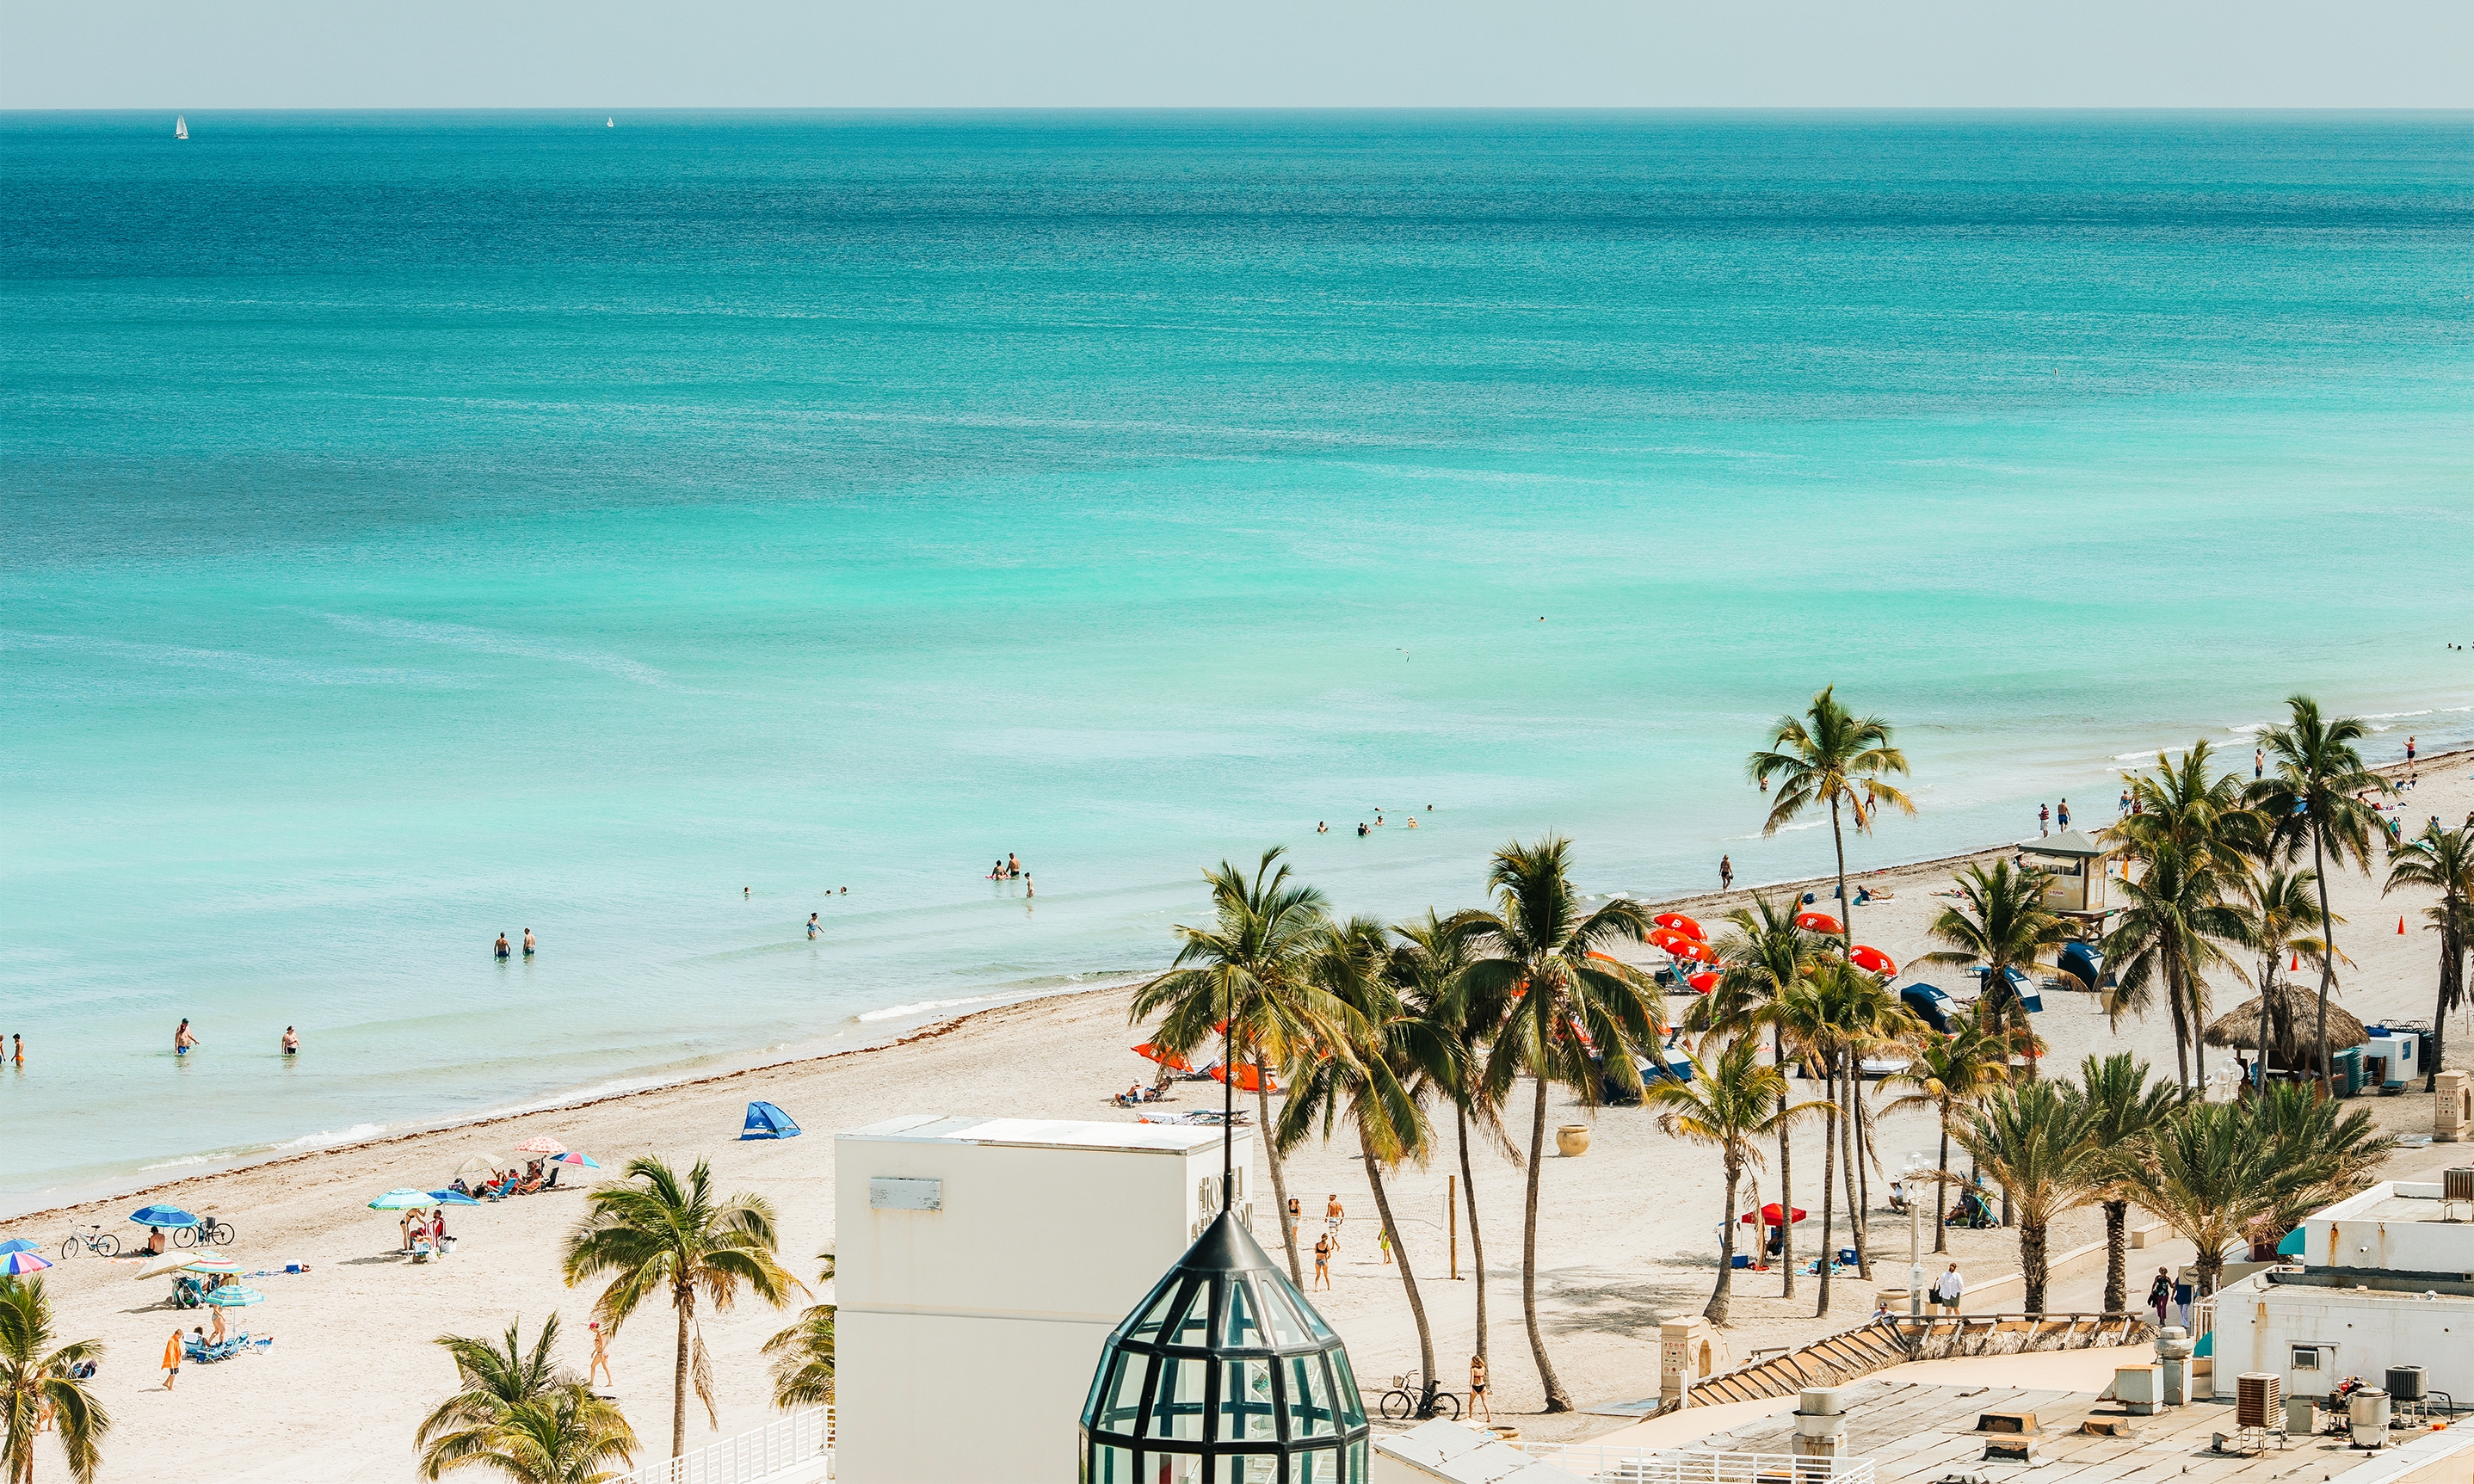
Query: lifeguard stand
point(2075, 867)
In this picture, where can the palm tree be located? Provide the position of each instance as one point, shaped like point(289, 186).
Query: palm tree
point(1757, 962)
point(679, 1235)
point(1824, 1020)
point(1873, 1021)
point(2313, 794)
point(1380, 1085)
point(2170, 934)
point(2180, 805)
point(1540, 948)
point(2037, 1140)
point(1951, 1073)
point(2340, 1151)
point(2441, 860)
point(566, 1435)
point(1427, 963)
point(35, 1374)
point(2212, 1173)
point(495, 1377)
point(2001, 922)
point(803, 1370)
point(2283, 918)
point(1249, 977)
point(1732, 1100)
point(1828, 756)
point(2124, 1108)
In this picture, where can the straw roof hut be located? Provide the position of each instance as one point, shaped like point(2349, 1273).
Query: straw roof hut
point(2293, 1026)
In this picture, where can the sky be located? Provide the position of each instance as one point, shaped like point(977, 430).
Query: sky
point(836, 54)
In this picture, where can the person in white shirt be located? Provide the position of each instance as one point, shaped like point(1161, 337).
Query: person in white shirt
point(1947, 1288)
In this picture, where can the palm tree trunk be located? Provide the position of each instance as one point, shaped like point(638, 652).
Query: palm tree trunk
point(1828, 1185)
point(1786, 1194)
point(1477, 1244)
point(685, 1303)
point(2451, 984)
point(1557, 1400)
point(2211, 1266)
point(1408, 1279)
point(1941, 1189)
point(1847, 1158)
point(1280, 1176)
point(2182, 1026)
point(1861, 1207)
point(2117, 1256)
point(2268, 992)
point(2031, 1263)
point(2327, 968)
point(1846, 913)
point(1716, 1310)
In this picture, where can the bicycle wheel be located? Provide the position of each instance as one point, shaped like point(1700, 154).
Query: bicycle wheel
point(107, 1246)
point(1397, 1404)
point(1448, 1405)
point(223, 1233)
point(68, 1249)
point(185, 1237)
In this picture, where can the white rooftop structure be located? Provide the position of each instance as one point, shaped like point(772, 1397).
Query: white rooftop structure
point(1459, 1453)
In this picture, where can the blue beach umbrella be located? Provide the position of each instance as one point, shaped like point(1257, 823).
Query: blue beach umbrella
point(404, 1199)
point(162, 1217)
point(17, 1262)
point(234, 1295)
point(18, 1244)
point(453, 1198)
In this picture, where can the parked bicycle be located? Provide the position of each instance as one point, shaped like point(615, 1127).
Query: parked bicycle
point(208, 1232)
point(94, 1240)
point(1403, 1400)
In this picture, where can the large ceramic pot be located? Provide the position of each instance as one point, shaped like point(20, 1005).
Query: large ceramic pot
point(1573, 1141)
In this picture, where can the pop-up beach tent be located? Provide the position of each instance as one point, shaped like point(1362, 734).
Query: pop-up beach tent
point(766, 1121)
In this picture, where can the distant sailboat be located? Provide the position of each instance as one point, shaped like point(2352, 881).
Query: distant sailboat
point(610, 123)
point(181, 126)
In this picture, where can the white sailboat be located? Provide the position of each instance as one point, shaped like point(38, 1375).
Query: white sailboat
point(181, 126)
point(611, 122)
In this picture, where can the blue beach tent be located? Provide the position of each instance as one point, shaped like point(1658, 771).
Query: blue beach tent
point(766, 1121)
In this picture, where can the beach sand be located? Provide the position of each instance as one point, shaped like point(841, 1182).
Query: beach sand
point(1626, 1232)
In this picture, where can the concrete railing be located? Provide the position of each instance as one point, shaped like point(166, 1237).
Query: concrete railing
point(1696, 1466)
point(802, 1440)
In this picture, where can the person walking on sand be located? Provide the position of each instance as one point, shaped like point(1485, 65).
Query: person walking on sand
point(502, 948)
point(1726, 872)
point(172, 1359)
point(2062, 815)
point(2044, 819)
point(1383, 1244)
point(1948, 1288)
point(2409, 750)
point(528, 943)
point(1477, 1389)
point(2160, 1293)
point(1323, 1260)
point(1333, 1215)
point(600, 1366)
point(291, 1041)
point(183, 1039)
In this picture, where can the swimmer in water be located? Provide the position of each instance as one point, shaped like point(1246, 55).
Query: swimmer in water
point(528, 943)
point(812, 928)
point(291, 1041)
point(1029, 891)
point(182, 1039)
point(502, 948)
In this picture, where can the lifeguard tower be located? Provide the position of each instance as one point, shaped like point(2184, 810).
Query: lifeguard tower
point(2075, 867)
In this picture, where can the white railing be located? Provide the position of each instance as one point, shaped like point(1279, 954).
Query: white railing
point(781, 1444)
point(1696, 1466)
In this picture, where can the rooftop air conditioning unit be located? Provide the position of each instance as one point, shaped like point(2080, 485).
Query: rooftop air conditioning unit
point(2405, 1382)
point(2258, 1399)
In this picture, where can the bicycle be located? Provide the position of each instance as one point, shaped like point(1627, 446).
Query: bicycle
point(1402, 1401)
point(208, 1232)
point(94, 1240)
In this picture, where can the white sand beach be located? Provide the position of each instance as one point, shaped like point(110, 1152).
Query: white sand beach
point(1625, 1231)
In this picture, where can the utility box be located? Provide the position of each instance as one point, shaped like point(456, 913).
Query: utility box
point(2452, 1112)
point(979, 1263)
point(2140, 1389)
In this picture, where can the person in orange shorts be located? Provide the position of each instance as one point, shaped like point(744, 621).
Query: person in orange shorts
point(172, 1359)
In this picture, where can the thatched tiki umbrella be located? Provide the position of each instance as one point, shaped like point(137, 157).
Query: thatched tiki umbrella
point(2291, 1014)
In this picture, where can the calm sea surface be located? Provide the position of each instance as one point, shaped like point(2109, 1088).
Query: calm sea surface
point(420, 527)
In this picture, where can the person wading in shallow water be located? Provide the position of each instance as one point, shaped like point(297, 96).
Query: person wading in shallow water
point(1726, 872)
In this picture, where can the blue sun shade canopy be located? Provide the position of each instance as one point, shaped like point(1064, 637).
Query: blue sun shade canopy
point(162, 1217)
point(766, 1121)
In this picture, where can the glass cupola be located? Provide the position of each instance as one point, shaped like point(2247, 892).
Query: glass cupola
point(1224, 1374)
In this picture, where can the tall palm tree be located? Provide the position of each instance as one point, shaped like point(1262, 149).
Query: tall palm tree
point(2001, 922)
point(2037, 1141)
point(37, 1370)
point(1427, 964)
point(2172, 934)
point(2441, 860)
point(1540, 947)
point(2180, 804)
point(495, 1377)
point(679, 1235)
point(2313, 794)
point(1824, 1020)
point(2283, 919)
point(1380, 1085)
point(2123, 1107)
point(1951, 1073)
point(1249, 978)
point(1733, 1100)
point(803, 1365)
point(566, 1435)
point(1764, 954)
point(1829, 756)
point(1873, 1020)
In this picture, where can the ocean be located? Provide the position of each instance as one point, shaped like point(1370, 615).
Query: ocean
point(423, 527)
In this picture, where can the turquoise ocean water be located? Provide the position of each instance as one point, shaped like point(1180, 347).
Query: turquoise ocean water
point(419, 527)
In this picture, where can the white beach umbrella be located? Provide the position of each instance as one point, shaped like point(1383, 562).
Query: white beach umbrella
point(180, 1261)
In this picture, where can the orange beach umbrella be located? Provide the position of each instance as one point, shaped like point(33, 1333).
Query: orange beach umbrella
point(1818, 921)
point(1697, 953)
point(1873, 958)
point(1677, 922)
point(1247, 1081)
point(1703, 982)
point(1152, 1052)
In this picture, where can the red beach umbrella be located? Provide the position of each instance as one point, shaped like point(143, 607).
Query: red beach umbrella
point(1769, 1215)
point(1168, 1059)
point(1703, 982)
point(1818, 921)
point(1697, 953)
point(1247, 1079)
point(1873, 959)
point(1667, 937)
point(1677, 922)
point(540, 1144)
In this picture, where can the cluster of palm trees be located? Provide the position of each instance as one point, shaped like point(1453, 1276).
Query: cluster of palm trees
point(2222, 873)
point(656, 1236)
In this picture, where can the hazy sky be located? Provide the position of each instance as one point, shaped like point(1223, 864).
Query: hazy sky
point(616, 53)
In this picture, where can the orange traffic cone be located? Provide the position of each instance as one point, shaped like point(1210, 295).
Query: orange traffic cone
point(2400, 925)
point(2294, 966)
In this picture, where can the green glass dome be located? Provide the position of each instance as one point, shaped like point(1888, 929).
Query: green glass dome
point(1225, 1374)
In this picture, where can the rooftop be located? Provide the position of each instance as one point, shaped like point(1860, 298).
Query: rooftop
point(1042, 1133)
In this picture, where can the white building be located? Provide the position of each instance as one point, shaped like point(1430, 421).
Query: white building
point(2387, 1278)
point(979, 1265)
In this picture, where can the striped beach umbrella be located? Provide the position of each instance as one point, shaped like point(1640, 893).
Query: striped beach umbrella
point(578, 1160)
point(404, 1199)
point(18, 1244)
point(540, 1144)
point(234, 1296)
point(453, 1198)
point(17, 1262)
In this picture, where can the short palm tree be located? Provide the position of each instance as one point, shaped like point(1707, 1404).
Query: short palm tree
point(1540, 952)
point(1831, 757)
point(2212, 1173)
point(2442, 861)
point(2000, 923)
point(2314, 795)
point(1427, 964)
point(2171, 935)
point(2283, 918)
point(1759, 960)
point(2125, 1107)
point(495, 1377)
point(566, 1435)
point(679, 1236)
point(37, 1370)
point(2342, 1150)
point(803, 1354)
point(2038, 1143)
point(2180, 804)
point(1951, 1073)
point(1249, 978)
point(1733, 1100)
point(1379, 1085)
